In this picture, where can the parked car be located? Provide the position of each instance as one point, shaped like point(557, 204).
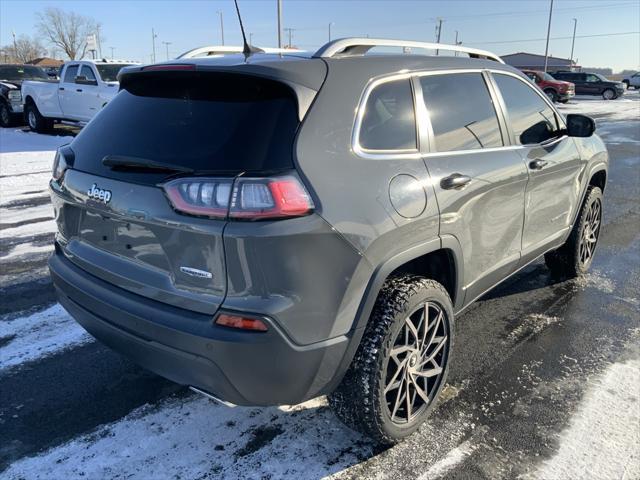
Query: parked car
point(556, 90)
point(84, 88)
point(632, 81)
point(271, 229)
point(11, 78)
point(591, 84)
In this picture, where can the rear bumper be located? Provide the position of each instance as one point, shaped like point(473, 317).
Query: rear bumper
point(244, 368)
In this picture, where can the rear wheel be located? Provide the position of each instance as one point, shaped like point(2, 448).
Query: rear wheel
point(36, 121)
point(402, 361)
point(5, 115)
point(576, 255)
point(551, 94)
point(608, 94)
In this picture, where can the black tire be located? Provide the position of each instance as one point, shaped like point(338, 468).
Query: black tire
point(6, 117)
point(552, 94)
point(609, 94)
point(626, 84)
point(570, 260)
point(37, 122)
point(360, 400)
point(564, 100)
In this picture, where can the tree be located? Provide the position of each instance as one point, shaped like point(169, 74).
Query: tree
point(23, 50)
point(67, 30)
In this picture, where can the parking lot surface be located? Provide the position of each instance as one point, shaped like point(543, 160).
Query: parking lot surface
point(545, 380)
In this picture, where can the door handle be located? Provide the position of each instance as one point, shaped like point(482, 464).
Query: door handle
point(455, 180)
point(61, 88)
point(537, 164)
point(78, 89)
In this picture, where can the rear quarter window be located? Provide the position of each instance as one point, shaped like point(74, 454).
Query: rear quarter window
point(389, 121)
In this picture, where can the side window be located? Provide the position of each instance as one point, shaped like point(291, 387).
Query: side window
point(592, 78)
point(70, 74)
point(87, 71)
point(389, 120)
point(532, 119)
point(461, 111)
point(532, 76)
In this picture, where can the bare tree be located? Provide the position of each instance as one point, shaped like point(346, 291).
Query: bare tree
point(67, 30)
point(23, 50)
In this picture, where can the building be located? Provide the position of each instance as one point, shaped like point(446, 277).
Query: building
point(532, 61)
point(45, 62)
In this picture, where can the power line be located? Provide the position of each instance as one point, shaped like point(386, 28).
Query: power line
point(552, 38)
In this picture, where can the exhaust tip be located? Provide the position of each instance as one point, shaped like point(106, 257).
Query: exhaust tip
point(213, 397)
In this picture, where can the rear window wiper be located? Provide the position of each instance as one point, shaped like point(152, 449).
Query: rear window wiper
point(133, 163)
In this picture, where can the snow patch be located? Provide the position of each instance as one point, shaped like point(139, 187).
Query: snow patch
point(42, 334)
point(451, 460)
point(597, 280)
point(196, 438)
point(532, 325)
point(603, 438)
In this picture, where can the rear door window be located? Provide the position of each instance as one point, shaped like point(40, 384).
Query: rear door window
point(389, 121)
point(209, 122)
point(532, 119)
point(461, 112)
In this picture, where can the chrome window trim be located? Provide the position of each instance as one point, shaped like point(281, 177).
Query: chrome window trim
point(423, 123)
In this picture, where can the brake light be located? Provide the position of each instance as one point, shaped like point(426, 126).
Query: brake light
point(175, 66)
point(242, 323)
point(245, 198)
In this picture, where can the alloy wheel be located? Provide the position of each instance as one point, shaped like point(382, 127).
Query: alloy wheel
point(608, 95)
point(590, 232)
point(416, 363)
point(32, 119)
point(4, 115)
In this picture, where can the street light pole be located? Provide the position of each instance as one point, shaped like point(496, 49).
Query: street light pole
point(112, 49)
point(279, 23)
point(456, 53)
point(330, 23)
point(573, 40)
point(153, 42)
point(290, 30)
point(546, 49)
point(166, 44)
point(439, 33)
point(221, 27)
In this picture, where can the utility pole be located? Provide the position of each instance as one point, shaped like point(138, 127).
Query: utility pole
point(250, 38)
point(112, 49)
point(15, 46)
point(573, 40)
point(290, 30)
point(438, 33)
point(330, 23)
point(279, 23)
point(166, 44)
point(546, 49)
point(153, 41)
point(221, 27)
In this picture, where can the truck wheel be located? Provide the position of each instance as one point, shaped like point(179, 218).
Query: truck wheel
point(551, 93)
point(575, 256)
point(608, 94)
point(5, 115)
point(37, 122)
point(402, 361)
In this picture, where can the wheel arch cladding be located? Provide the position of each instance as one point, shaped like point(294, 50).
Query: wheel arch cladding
point(599, 179)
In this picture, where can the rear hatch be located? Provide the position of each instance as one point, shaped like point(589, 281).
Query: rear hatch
point(114, 216)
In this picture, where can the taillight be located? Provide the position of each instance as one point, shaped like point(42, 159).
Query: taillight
point(59, 166)
point(245, 198)
point(242, 323)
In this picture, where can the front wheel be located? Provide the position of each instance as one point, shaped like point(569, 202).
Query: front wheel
point(402, 361)
point(5, 115)
point(36, 121)
point(608, 94)
point(576, 255)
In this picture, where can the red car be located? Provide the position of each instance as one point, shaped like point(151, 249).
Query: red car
point(556, 90)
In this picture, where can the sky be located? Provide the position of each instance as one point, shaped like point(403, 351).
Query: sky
point(607, 35)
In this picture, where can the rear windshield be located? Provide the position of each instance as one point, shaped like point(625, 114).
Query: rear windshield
point(208, 122)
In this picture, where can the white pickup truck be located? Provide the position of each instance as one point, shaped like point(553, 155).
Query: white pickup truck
point(85, 86)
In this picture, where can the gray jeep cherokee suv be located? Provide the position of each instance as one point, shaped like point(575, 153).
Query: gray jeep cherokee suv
point(274, 228)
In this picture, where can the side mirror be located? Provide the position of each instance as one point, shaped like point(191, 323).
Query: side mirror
point(82, 80)
point(580, 125)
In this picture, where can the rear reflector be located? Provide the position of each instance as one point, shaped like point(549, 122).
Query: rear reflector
point(242, 323)
point(245, 198)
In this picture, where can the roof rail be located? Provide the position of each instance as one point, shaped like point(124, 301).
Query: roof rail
point(361, 45)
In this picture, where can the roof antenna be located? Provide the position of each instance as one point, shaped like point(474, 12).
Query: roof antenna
point(247, 49)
